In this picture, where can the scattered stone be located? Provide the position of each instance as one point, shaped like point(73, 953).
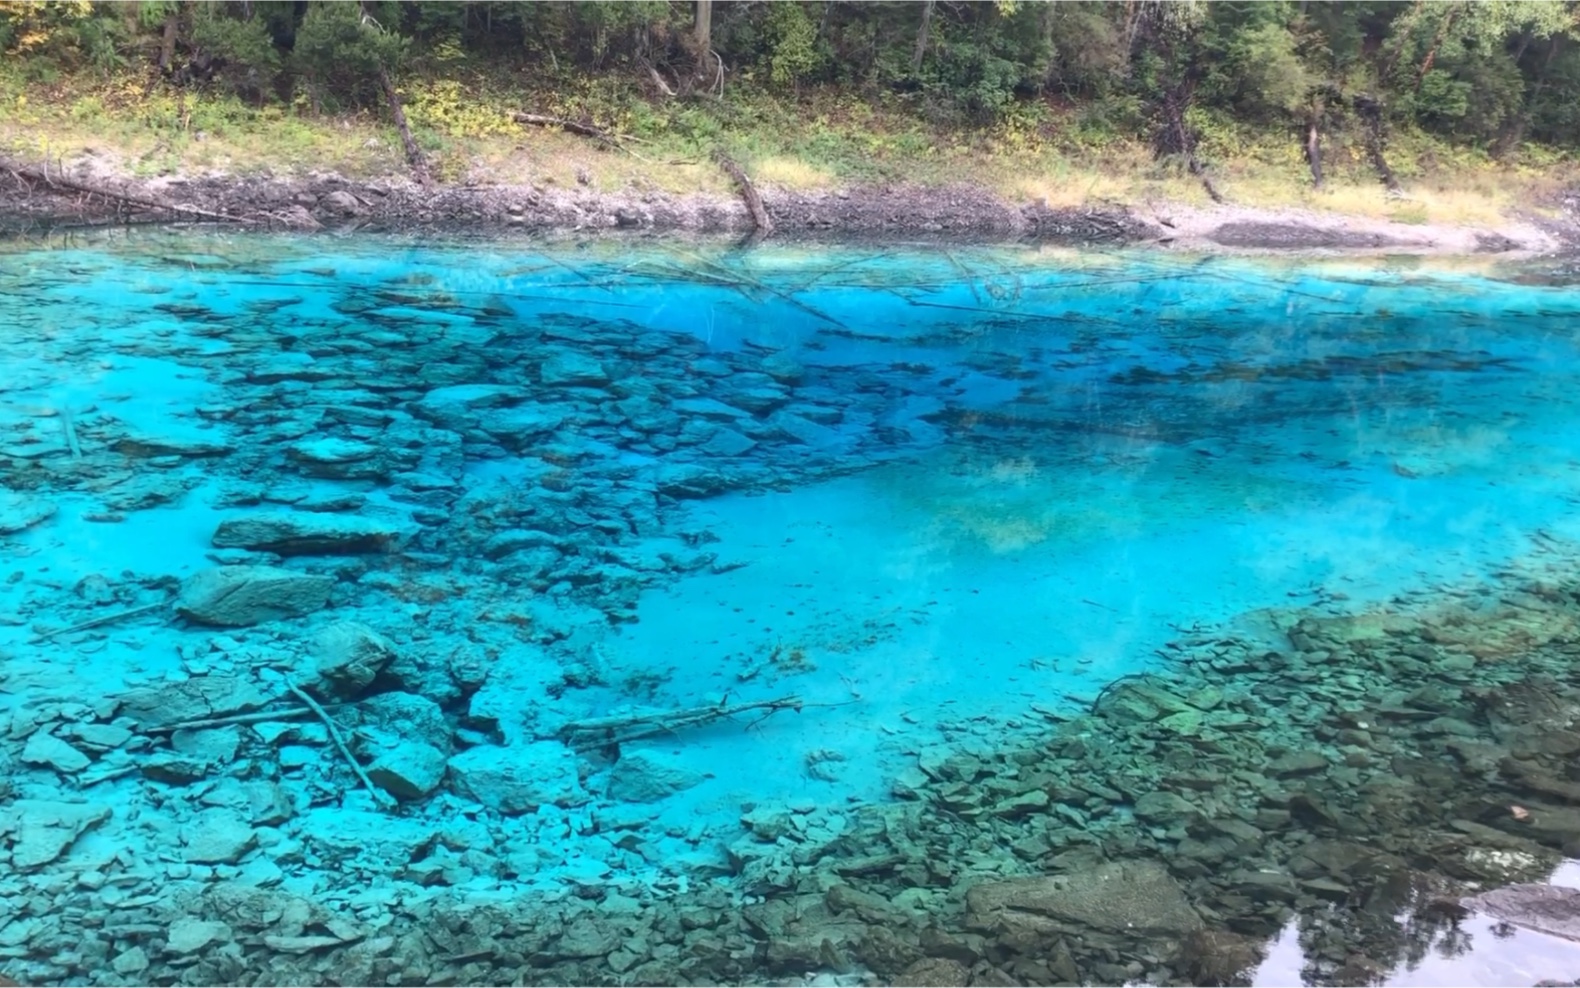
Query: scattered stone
point(411, 771)
point(188, 935)
point(41, 831)
point(48, 750)
point(240, 596)
point(218, 836)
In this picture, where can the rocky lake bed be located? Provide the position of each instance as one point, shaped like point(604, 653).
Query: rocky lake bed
point(399, 611)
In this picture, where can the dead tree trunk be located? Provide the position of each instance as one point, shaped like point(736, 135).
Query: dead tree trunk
point(921, 37)
point(1314, 147)
point(754, 202)
point(167, 45)
point(702, 37)
point(414, 155)
point(1175, 137)
point(1376, 143)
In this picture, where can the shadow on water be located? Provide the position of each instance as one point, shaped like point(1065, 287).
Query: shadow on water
point(470, 611)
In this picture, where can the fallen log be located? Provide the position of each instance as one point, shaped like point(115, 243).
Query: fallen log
point(36, 177)
point(380, 797)
point(754, 202)
point(599, 731)
point(582, 129)
point(585, 130)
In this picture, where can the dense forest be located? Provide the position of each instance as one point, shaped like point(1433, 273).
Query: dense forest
point(1493, 74)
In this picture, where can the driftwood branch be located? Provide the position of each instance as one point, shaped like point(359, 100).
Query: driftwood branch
point(754, 202)
point(379, 796)
point(630, 727)
point(230, 720)
point(98, 621)
point(126, 198)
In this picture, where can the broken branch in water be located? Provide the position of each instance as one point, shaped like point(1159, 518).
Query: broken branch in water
point(96, 622)
point(255, 717)
point(379, 795)
point(631, 727)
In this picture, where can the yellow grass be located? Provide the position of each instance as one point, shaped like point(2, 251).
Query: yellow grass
point(792, 173)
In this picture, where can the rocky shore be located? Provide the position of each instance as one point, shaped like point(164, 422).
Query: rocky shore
point(960, 213)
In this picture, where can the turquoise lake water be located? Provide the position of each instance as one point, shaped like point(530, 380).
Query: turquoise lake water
point(656, 581)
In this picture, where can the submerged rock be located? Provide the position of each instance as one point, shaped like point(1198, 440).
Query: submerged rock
point(411, 770)
point(1136, 897)
point(519, 778)
point(569, 368)
point(146, 445)
point(18, 513)
point(197, 698)
point(349, 655)
point(47, 750)
point(648, 776)
point(342, 459)
point(302, 533)
point(239, 596)
point(41, 830)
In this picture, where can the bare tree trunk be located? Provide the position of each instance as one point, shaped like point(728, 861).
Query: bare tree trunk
point(921, 37)
point(704, 39)
point(1376, 143)
point(1437, 42)
point(763, 223)
point(414, 155)
point(1314, 147)
point(167, 45)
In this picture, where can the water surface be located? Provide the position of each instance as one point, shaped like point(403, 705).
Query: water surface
point(883, 573)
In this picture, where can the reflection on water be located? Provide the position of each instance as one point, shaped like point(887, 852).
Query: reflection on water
point(481, 612)
point(1444, 947)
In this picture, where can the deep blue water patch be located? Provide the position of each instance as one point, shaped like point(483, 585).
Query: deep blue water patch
point(592, 550)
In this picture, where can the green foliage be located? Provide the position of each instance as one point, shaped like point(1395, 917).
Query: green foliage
point(339, 51)
point(1022, 74)
point(794, 40)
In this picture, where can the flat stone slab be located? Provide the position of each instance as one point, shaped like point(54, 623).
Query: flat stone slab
point(304, 533)
point(240, 596)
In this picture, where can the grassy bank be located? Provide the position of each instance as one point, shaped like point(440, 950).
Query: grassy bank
point(1064, 155)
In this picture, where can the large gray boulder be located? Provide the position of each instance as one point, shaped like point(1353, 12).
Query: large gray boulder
point(302, 533)
point(239, 596)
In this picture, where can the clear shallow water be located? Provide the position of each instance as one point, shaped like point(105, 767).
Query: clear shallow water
point(921, 503)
